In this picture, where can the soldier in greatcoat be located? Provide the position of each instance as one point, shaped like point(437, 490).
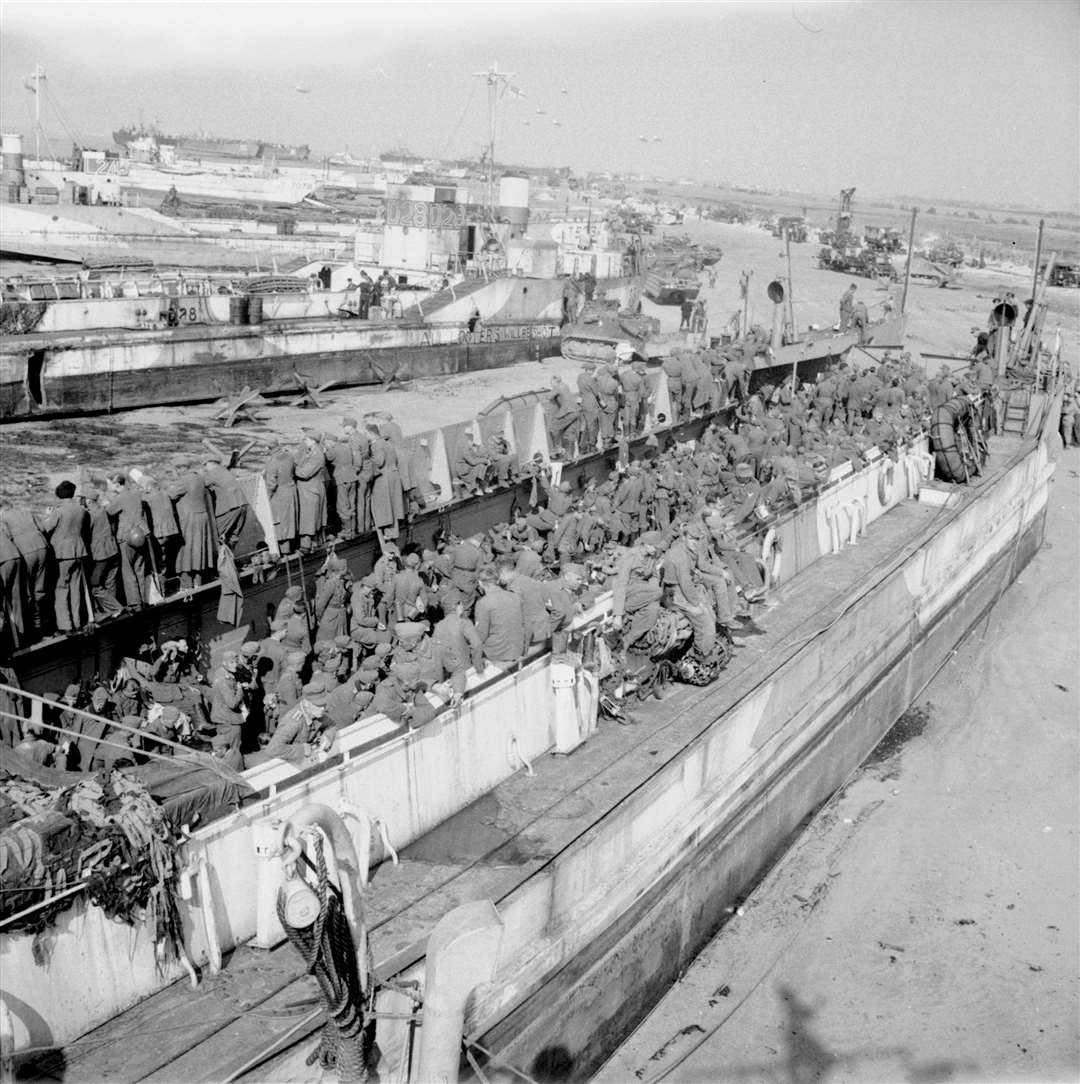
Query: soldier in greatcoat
point(197, 558)
point(311, 487)
point(279, 474)
point(387, 493)
point(33, 547)
point(125, 504)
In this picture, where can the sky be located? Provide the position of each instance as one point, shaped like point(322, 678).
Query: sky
point(955, 99)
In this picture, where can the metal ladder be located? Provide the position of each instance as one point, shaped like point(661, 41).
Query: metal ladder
point(1017, 411)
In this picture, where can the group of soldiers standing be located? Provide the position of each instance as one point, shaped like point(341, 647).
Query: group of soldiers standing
point(105, 545)
point(663, 532)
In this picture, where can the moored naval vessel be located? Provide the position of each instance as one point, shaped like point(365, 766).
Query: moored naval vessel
point(522, 877)
point(499, 297)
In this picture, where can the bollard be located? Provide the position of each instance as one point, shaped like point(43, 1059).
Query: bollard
point(461, 954)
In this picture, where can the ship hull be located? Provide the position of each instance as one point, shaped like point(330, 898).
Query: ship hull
point(721, 855)
point(197, 369)
point(627, 883)
point(498, 323)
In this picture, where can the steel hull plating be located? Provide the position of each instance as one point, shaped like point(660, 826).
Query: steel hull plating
point(642, 954)
point(144, 369)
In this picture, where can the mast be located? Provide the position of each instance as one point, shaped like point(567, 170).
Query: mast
point(790, 299)
point(497, 82)
point(36, 77)
point(907, 269)
point(1038, 257)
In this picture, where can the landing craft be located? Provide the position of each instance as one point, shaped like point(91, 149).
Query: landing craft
point(301, 89)
point(557, 123)
point(540, 112)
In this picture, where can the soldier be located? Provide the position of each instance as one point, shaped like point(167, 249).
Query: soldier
point(636, 592)
point(500, 620)
point(685, 594)
point(399, 697)
point(289, 687)
point(589, 398)
point(301, 733)
point(364, 293)
point(165, 539)
point(502, 461)
point(407, 600)
point(228, 711)
point(198, 551)
point(561, 604)
point(230, 503)
point(847, 307)
point(736, 375)
point(860, 319)
point(344, 458)
point(565, 419)
point(271, 658)
point(331, 600)
point(528, 561)
point(633, 387)
point(471, 464)
point(297, 633)
point(744, 493)
point(311, 489)
point(628, 504)
point(705, 390)
point(279, 474)
point(387, 504)
point(824, 398)
point(675, 370)
point(14, 623)
point(125, 502)
point(533, 605)
point(459, 641)
point(33, 548)
point(466, 559)
point(104, 554)
point(608, 388)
